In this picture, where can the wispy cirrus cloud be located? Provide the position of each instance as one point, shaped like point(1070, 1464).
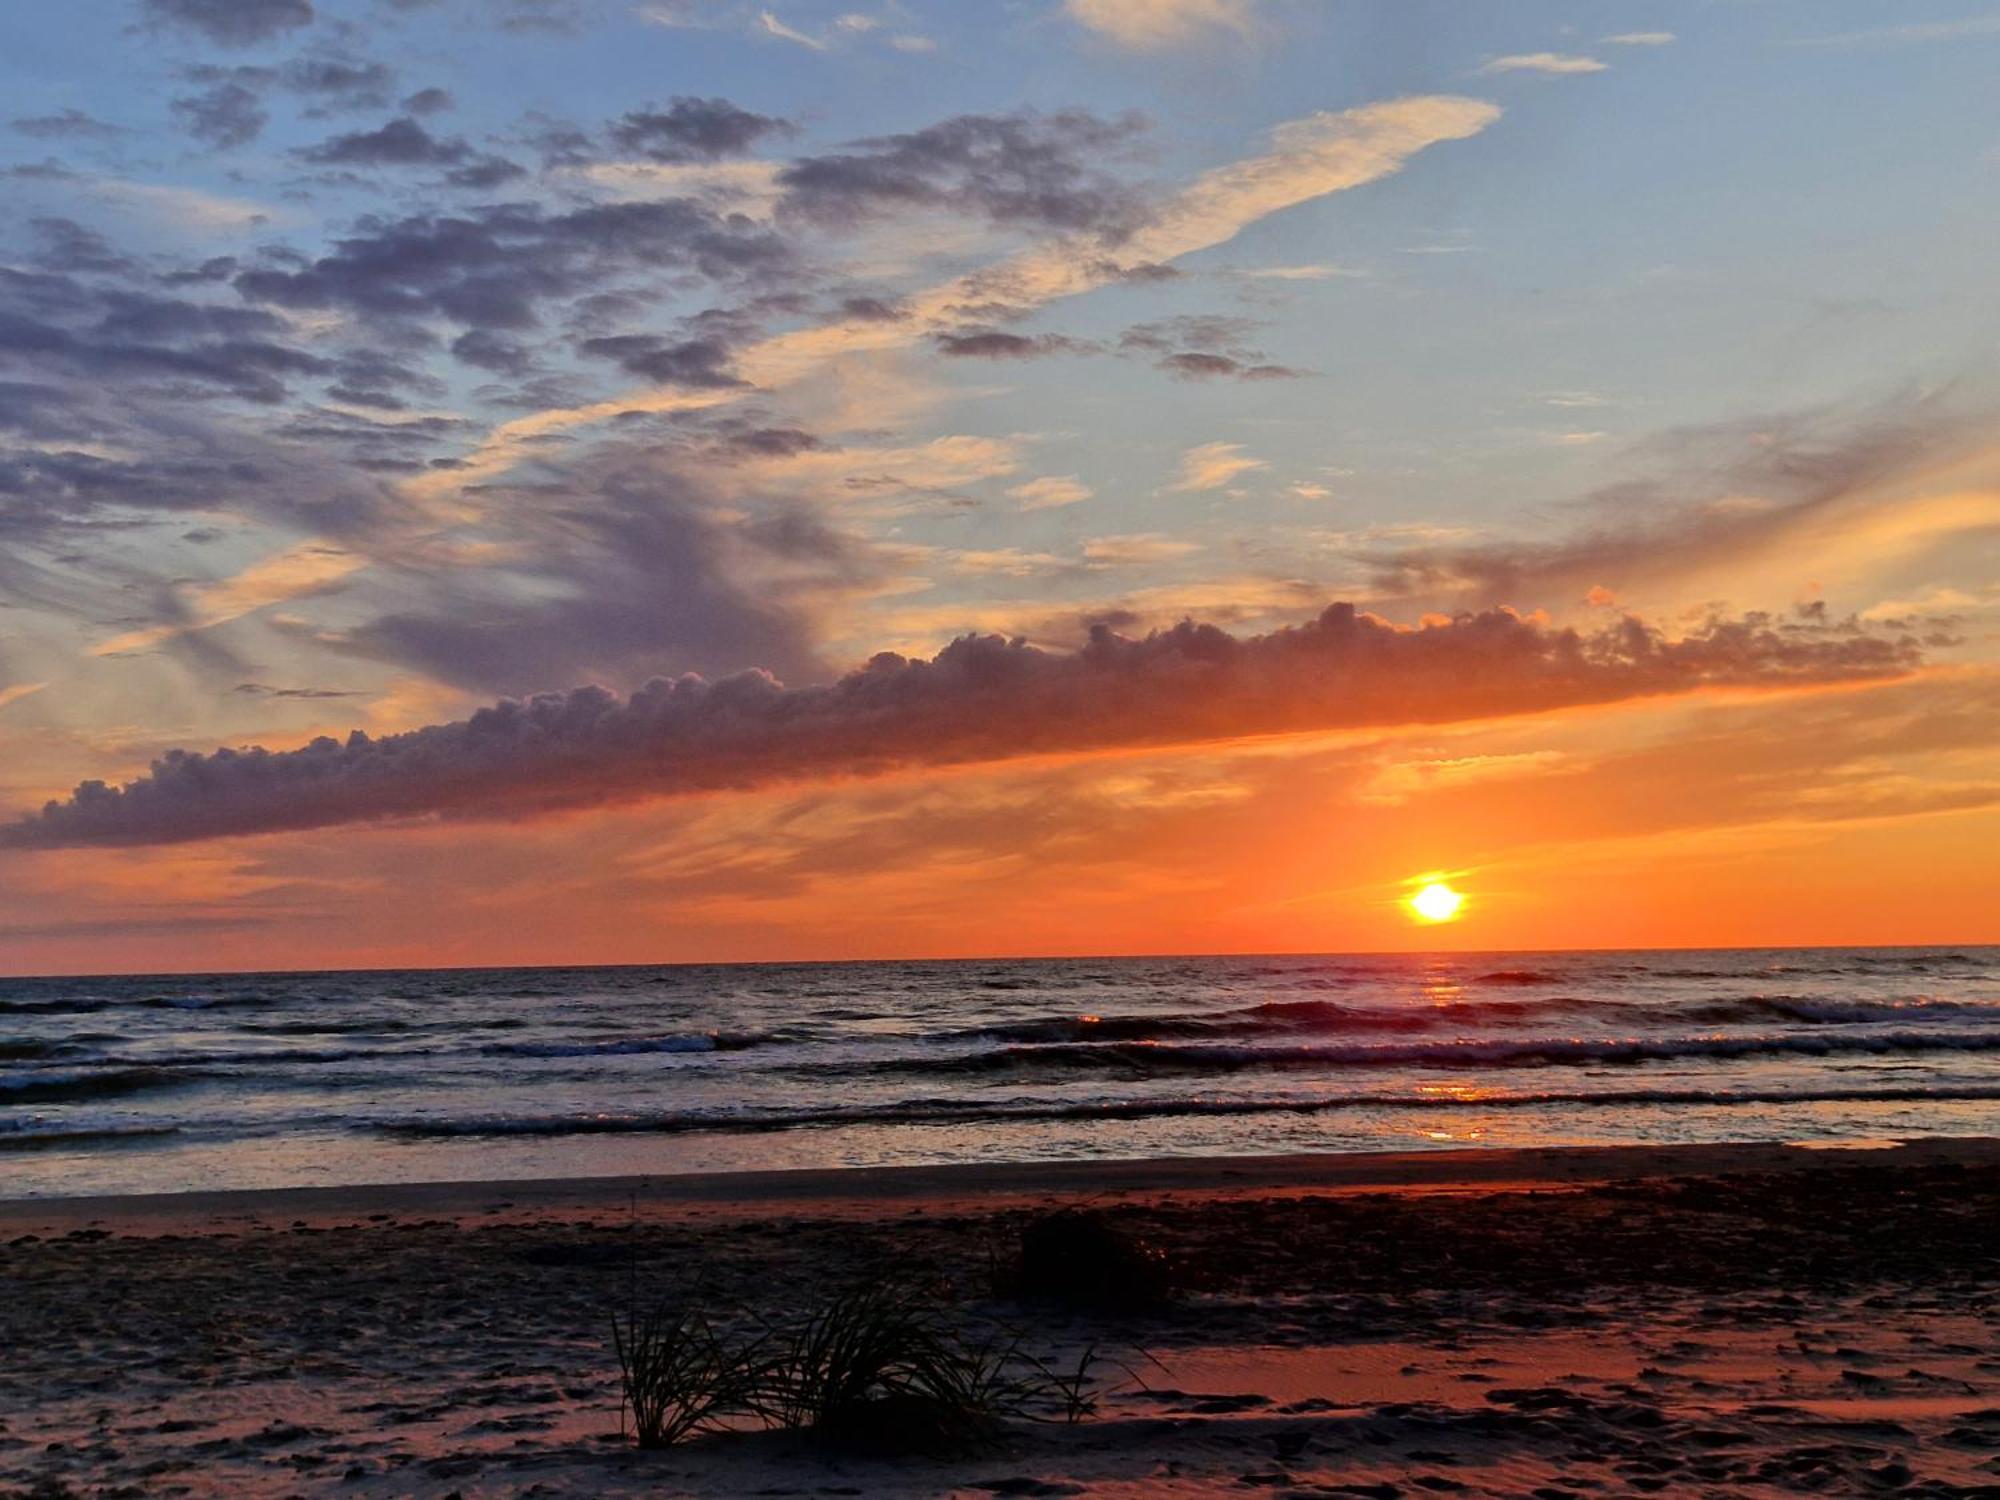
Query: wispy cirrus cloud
point(1210, 466)
point(1915, 31)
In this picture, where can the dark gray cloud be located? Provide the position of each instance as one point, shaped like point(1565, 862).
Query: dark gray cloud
point(494, 267)
point(700, 363)
point(346, 83)
point(429, 101)
point(980, 699)
point(67, 124)
point(691, 129)
point(992, 343)
point(1194, 364)
point(65, 245)
point(1027, 169)
point(401, 142)
point(1204, 346)
point(231, 23)
point(265, 690)
point(489, 351)
point(224, 116)
point(57, 324)
point(323, 81)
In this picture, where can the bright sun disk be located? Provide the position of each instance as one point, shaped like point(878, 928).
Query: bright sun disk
point(1436, 902)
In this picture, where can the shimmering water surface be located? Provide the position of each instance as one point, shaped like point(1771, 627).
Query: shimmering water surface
point(158, 1084)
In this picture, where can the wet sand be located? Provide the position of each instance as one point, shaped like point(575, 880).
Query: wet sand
point(1701, 1320)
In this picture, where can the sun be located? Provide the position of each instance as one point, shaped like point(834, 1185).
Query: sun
point(1436, 902)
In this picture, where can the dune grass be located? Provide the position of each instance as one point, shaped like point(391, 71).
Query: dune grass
point(875, 1369)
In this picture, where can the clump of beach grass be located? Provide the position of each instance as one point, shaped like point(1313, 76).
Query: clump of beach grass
point(677, 1376)
point(874, 1370)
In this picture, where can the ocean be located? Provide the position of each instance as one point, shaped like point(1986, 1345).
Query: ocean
point(167, 1083)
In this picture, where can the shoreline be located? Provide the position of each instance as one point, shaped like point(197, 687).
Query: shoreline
point(840, 1191)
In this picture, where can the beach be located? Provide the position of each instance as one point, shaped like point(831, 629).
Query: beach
point(1708, 1319)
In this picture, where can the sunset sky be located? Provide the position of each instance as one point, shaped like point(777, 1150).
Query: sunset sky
point(1078, 476)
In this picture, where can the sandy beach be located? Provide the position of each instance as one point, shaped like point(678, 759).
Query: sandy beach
point(1701, 1320)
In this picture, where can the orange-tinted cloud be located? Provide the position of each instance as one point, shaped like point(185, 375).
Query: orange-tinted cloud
point(980, 699)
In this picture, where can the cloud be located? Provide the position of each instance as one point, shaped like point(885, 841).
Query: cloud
point(1135, 550)
point(693, 130)
point(981, 699)
point(305, 569)
point(232, 23)
point(1762, 502)
point(1313, 272)
point(224, 116)
point(1919, 31)
point(770, 25)
point(1552, 63)
point(401, 142)
point(1020, 169)
point(1640, 39)
point(92, 333)
point(1200, 365)
point(1213, 465)
point(1150, 25)
point(493, 266)
point(1215, 348)
point(18, 691)
point(66, 124)
point(1309, 158)
point(992, 343)
point(1050, 491)
point(186, 208)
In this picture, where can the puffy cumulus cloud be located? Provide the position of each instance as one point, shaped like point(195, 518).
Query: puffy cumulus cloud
point(1149, 25)
point(1026, 169)
point(981, 699)
point(694, 130)
point(231, 23)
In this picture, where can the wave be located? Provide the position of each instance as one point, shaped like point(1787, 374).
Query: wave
point(40, 1138)
point(79, 1005)
point(49, 1087)
point(1304, 1016)
point(1168, 1057)
point(960, 1111)
point(696, 1041)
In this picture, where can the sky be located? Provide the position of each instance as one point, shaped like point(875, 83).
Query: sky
point(570, 481)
